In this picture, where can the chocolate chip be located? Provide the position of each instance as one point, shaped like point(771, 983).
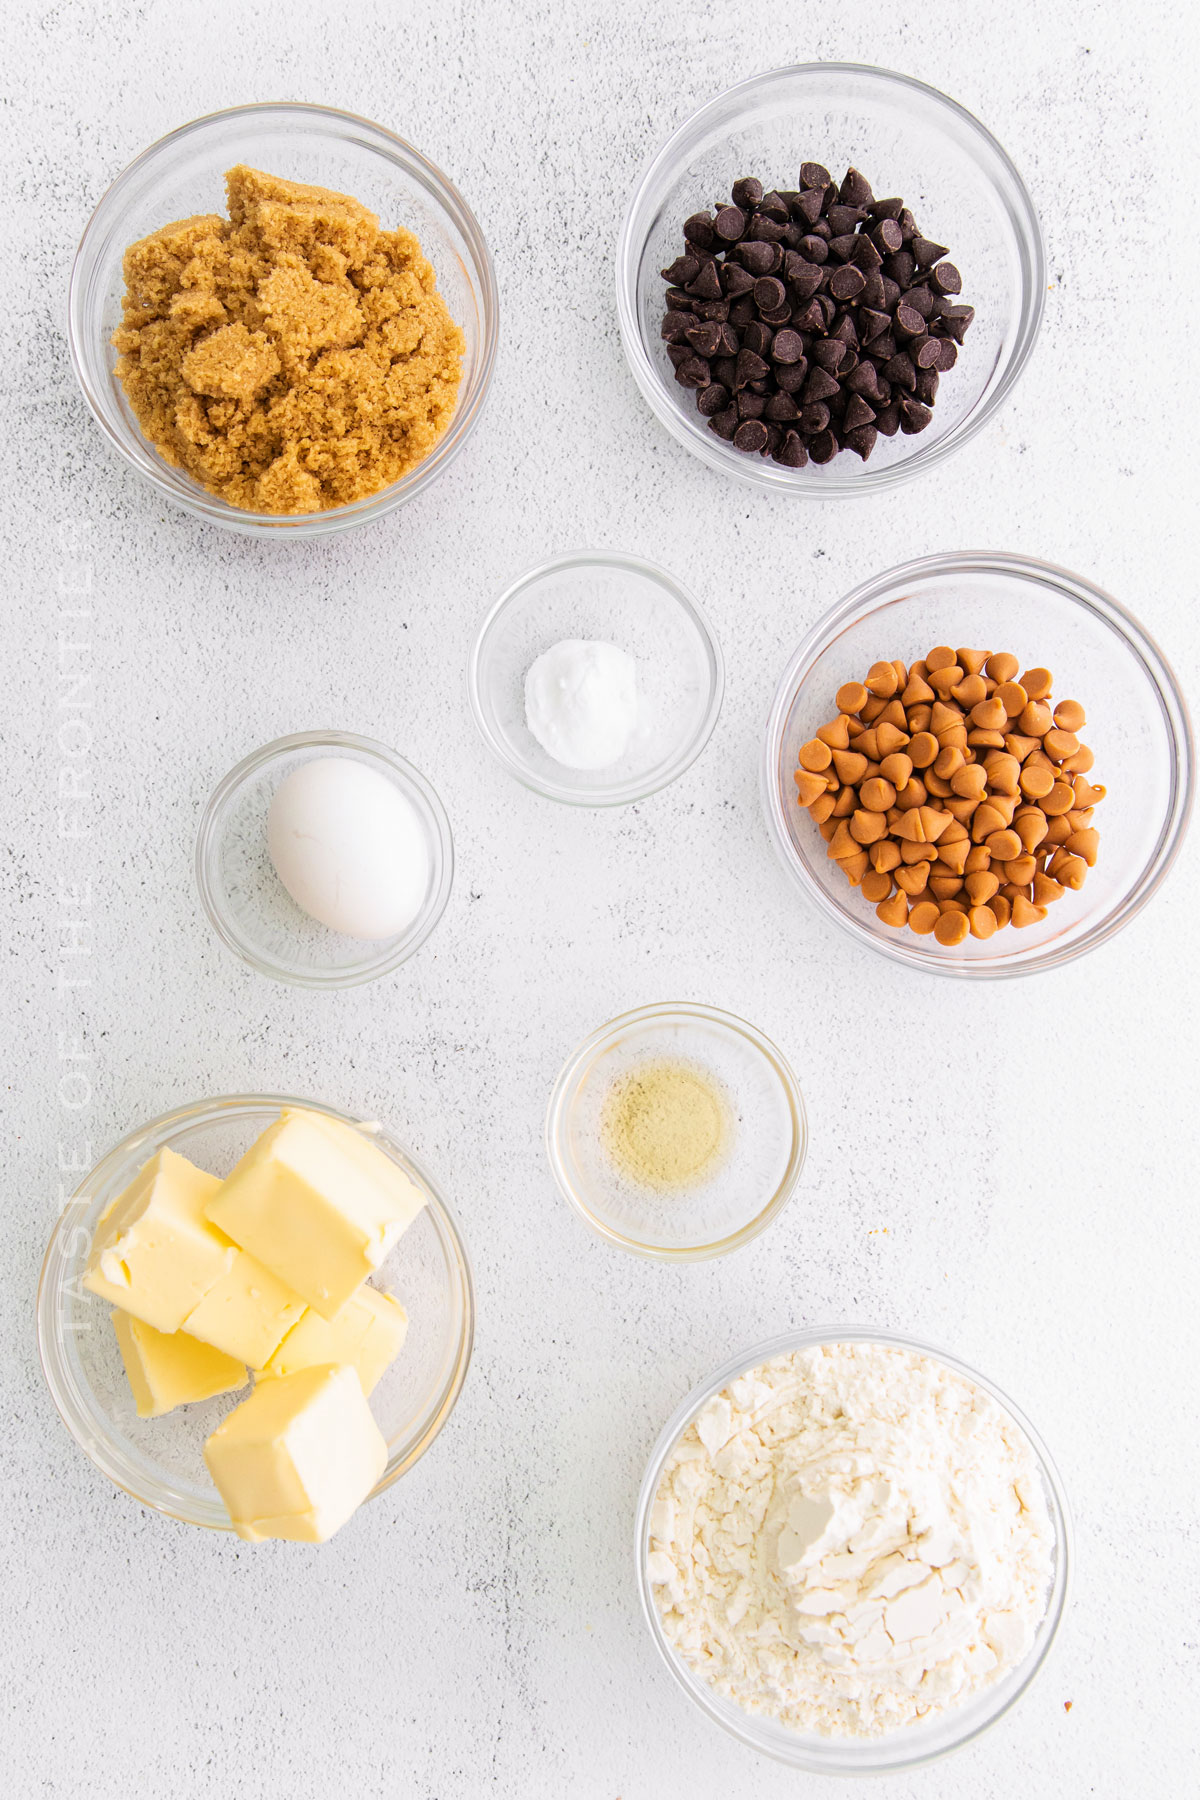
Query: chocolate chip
point(901, 371)
point(908, 225)
point(926, 386)
point(928, 352)
point(814, 418)
point(887, 237)
point(781, 408)
point(729, 224)
point(814, 249)
point(814, 175)
point(874, 292)
point(823, 447)
point(957, 320)
point(747, 192)
point(724, 423)
point(742, 311)
point(699, 230)
point(712, 399)
point(887, 209)
point(828, 354)
point(844, 219)
point(847, 283)
point(908, 322)
point(704, 339)
point(766, 230)
point(759, 258)
point(947, 354)
point(857, 413)
point(790, 377)
point(860, 439)
point(757, 337)
point(913, 417)
point(887, 419)
point(750, 406)
point(926, 252)
point(724, 370)
point(707, 285)
point(900, 268)
point(694, 373)
point(735, 279)
point(843, 247)
point(921, 300)
point(855, 190)
point(871, 323)
point(769, 294)
point(711, 309)
point(806, 207)
point(819, 386)
point(772, 205)
point(682, 270)
point(678, 353)
point(946, 279)
point(750, 367)
point(675, 325)
point(803, 277)
point(751, 435)
point(791, 452)
point(788, 347)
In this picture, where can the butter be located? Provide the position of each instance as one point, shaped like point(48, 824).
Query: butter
point(167, 1369)
point(155, 1255)
point(368, 1333)
point(247, 1313)
point(296, 1458)
point(318, 1203)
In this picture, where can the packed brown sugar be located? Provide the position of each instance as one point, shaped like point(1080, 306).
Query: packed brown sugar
point(292, 357)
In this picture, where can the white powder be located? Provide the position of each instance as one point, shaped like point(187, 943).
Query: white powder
point(581, 703)
point(850, 1539)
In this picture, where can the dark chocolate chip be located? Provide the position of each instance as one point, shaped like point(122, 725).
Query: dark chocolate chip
point(891, 293)
point(887, 209)
point(750, 435)
point(946, 279)
point(844, 329)
point(750, 367)
point(759, 258)
point(750, 406)
point(781, 408)
point(861, 439)
point(883, 347)
point(823, 447)
point(765, 230)
point(828, 353)
point(866, 257)
point(747, 192)
point(725, 423)
point(887, 419)
point(843, 247)
point(694, 373)
point(811, 317)
point(814, 175)
point(819, 386)
point(957, 320)
point(913, 417)
point(698, 230)
point(675, 326)
point(926, 386)
point(791, 452)
point(814, 249)
point(887, 237)
point(871, 322)
point(857, 413)
point(678, 353)
point(900, 371)
point(863, 380)
point(908, 322)
point(712, 399)
point(742, 311)
point(803, 277)
point(874, 292)
point(773, 206)
point(759, 338)
point(788, 347)
point(774, 439)
point(847, 283)
point(928, 352)
point(769, 293)
point(921, 300)
point(705, 339)
point(844, 219)
point(789, 377)
point(814, 418)
point(682, 270)
point(908, 225)
point(900, 268)
point(947, 354)
point(724, 370)
point(729, 224)
point(926, 252)
point(707, 285)
point(735, 279)
point(717, 310)
point(855, 190)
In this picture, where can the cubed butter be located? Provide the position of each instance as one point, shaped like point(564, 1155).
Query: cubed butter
point(367, 1333)
point(155, 1254)
point(296, 1458)
point(318, 1203)
point(167, 1369)
point(247, 1313)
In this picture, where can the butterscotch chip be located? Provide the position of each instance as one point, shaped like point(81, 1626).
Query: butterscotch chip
point(951, 928)
point(1036, 781)
point(981, 886)
point(983, 922)
point(809, 787)
point(971, 660)
point(1003, 845)
point(822, 809)
point(1001, 666)
point(970, 782)
point(917, 691)
point(1024, 912)
point(940, 658)
point(1080, 763)
point(868, 827)
point(893, 912)
point(1046, 890)
point(923, 749)
point(1067, 869)
point(885, 855)
point(1037, 683)
point(855, 867)
point(1060, 799)
point(923, 916)
point(841, 844)
point(851, 765)
point(1085, 843)
point(852, 697)
point(989, 715)
point(1021, 870)
point(814, 755)
point(292, 357)
point(877, 794)
point(1058, 745)
point(875, 886)
point(1012, 697)
point(837, 733)
point(882, 680)
point(948, 761)
point(911, 878)
point(1069, 716)
point(986, 818)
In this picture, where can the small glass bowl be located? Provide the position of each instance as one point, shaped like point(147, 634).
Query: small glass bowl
point(159, 1461)
point(754, 1179)
point(899, 1750)
point(619, 599)
point(249, 907)
point(906, 139)
point(1137, 725)
point(183, 174)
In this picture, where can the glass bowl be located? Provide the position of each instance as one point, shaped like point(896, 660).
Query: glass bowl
point(249, 907)
point(750, 1184)
point(619, 599)
point(906, 139)
point(159, 1461)
point(899, 1750)
point(183, 174)
point(1137, 725)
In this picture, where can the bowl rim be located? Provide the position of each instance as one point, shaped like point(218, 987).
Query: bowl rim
point(161, 1130)
point(625, 793)
point(566, 1086)
point(1076, 590)
point(197, 500)
point(1058, 1596)
point(829, 486)
point(410, 781)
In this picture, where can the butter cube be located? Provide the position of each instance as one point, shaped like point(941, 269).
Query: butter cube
point(167, 1369)
point(155, 1255)
point(367, 1333)
point(247, 1312)
point(297, 1457)
point(318, 1203)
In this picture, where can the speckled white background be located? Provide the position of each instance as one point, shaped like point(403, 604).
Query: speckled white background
point(1008, 1170)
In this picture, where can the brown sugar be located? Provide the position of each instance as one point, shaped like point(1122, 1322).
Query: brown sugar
point(292, 357)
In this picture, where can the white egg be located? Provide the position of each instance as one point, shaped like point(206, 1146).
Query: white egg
point(349, 847)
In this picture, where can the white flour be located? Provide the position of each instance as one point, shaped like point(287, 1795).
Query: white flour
point(850, 1539)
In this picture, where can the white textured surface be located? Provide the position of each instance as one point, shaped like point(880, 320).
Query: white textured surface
point(1007, 1170)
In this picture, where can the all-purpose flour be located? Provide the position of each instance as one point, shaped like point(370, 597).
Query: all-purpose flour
point(850, 1539)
